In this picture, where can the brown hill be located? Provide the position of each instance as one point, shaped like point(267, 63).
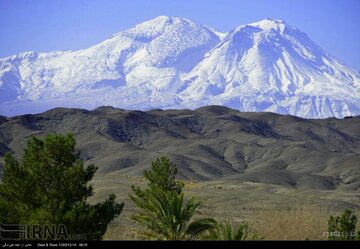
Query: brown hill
point(208, 143)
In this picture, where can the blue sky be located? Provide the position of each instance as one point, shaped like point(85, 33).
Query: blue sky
point(46, 25)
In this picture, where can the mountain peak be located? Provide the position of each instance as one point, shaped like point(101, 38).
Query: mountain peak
point(161, 21)
point(269, 24)
point(272, 20)
point(160, 24)
point(154, 26)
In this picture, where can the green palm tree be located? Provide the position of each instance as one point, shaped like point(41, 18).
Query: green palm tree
point(162, 209)
point(166, 215)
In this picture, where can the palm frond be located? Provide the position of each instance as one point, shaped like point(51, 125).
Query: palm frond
point(199, 226)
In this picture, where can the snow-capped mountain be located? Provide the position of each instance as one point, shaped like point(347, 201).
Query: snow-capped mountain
point(173, 62)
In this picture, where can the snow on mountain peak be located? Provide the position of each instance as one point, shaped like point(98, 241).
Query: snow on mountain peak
point(154, 27)
point(268, 25)
point(173, 62)
point(169, 39)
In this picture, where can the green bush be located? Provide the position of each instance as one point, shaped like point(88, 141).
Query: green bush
point(343, 227)
point(225, 231)
point(49, 186)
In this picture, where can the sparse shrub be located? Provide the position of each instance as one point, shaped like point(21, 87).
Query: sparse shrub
point(225, 231)
point(343, 227)
point(49, 187)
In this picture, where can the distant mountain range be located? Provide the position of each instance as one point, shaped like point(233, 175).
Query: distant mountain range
point(208, 143)
point(171, 62)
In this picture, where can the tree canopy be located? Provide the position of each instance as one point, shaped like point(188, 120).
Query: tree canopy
point(49, 185)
